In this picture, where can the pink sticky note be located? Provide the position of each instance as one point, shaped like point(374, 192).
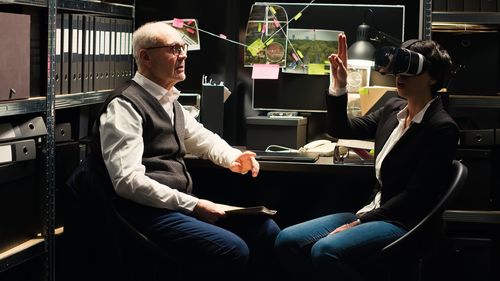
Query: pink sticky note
point(295, 57)
point(265, 71)
point(179, 23)
point(222, 36)
point(276, 23)
point(190, 30)
point(190, 21)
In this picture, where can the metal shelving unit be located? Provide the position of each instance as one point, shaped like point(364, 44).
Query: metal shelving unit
point(32, 105)
point(472, 216)
point(470, 102)
point(44, 245)
point(35, 105)
point(466, 17)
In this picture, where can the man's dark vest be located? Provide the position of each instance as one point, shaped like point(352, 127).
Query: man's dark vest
point(163, 143)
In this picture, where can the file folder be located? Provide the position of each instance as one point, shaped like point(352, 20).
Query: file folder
point(58, 47)
point(65, 61)
point(86, 53)
point(14, 56)
point(19, 195)
point(22, 128)
point(19, 151)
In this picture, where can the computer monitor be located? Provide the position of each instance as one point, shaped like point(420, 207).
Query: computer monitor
point(304, 92)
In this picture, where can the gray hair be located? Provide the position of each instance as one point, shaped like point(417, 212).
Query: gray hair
point(147, 36)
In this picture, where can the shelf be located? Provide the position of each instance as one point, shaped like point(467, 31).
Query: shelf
point(30, 105)
point(33, 105)
point(459, 101)
point(467, 17)
point(80, 99)
point(40, 3)
point(104, 8)
point(21, 253)
point(472, 216)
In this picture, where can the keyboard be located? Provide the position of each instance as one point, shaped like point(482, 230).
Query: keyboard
point(285, 156)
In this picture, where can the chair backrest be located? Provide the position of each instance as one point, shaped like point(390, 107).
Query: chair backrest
point(457, 181)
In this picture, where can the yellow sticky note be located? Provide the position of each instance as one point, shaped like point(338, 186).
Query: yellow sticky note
point(256, 47)
point(363, 91)
point(297, 16)
point(316, 69)
point(272, 10)
point(300, 54)
point(259, 27)
point(269, 41)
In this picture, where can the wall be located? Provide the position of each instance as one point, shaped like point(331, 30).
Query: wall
point(223, 60)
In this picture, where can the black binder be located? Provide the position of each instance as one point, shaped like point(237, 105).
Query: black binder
point(58, 66)
point(75, 60)
point(65, 54)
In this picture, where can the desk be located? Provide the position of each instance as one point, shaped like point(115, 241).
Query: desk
point(299, 191)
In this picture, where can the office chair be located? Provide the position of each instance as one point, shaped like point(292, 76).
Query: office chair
point(151, 260)
point(403, 259)
point(102, 244)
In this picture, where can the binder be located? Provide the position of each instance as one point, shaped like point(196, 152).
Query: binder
point(17, 151)
point(107, 52)
point(62, 132)
point(121, 57)
point(455, 5)
point(130, 59)
point(90, 56)
point(112, 53)
point(74, 58)
point(20, 195)
point(489, 6)
point(58, 45)
point(14, 56)
point(99, 83)
point(80, 52)
point(65, 61)
point(472, 6)
point(86, 53)
point(22, 128)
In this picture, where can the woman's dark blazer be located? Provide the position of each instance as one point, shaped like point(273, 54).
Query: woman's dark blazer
point(414, 173)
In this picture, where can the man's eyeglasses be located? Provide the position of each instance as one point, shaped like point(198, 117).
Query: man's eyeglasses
point(175, 49)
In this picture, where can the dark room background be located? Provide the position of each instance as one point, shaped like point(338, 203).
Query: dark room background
point(223, 61)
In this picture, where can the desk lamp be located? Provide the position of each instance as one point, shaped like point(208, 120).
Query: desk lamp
point(363, 49)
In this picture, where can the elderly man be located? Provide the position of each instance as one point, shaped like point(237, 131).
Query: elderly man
point(142, 135)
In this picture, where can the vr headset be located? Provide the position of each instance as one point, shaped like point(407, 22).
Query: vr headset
point(394, 61)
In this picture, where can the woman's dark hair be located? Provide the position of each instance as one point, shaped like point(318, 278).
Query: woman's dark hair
point(440, 61)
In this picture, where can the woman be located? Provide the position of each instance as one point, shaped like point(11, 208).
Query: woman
point(415, 143)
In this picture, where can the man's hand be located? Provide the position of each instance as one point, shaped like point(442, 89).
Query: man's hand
point(244, 163)
point(208, 211)
point(345, 226)
point(339, 64)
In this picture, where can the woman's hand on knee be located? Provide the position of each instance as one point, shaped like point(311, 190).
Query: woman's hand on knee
point(345, 226)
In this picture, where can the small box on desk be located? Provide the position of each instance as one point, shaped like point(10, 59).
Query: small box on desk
point(372, 98)
point(263, 131)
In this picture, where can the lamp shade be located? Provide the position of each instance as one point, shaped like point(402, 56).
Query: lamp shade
point(362, 49)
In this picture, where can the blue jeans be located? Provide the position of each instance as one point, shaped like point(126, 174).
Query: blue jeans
point(235, 246)
point(306, 249)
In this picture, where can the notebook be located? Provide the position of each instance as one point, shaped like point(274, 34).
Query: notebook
point(285, 156)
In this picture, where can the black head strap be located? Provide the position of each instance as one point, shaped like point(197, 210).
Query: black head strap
point(408, 43)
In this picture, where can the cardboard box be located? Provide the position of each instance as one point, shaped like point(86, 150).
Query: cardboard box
point(371, 98)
